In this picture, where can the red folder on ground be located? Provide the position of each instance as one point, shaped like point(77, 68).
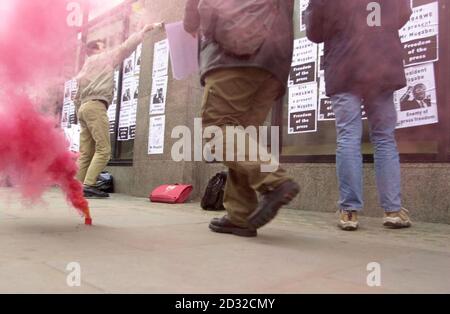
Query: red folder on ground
point(172, 194)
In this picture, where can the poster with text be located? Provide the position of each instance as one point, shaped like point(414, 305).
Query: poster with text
point(304, 59)
point(416, 104)
point(128, 89)
point(302, 109)
point(158, 96)
point(419, 36)
point(156, 135)
point(326, 112)
point(161, 58)
point(133, 109)
point(128, 66)
point(113, 107)
point(303, 5)
point(137, 60)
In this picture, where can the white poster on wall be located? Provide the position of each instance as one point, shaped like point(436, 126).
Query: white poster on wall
point(326, 112)
point(137, 60)
point(304, 59)
point(113, 107)
point(156, 135)
point(158, 96)
point(303, 6)
point(302, 109)
point(128, 89)
point(128, 66)
point(133, 109)
point(72, 135)
point(161, 58)
point(416, 104)
point(419, 36)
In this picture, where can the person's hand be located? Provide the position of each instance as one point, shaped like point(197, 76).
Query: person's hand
point(149, 27)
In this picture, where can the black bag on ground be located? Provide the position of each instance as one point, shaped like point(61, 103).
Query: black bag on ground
point(213, 198)
point(105, 182)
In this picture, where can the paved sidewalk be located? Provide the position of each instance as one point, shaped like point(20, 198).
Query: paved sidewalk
point(136, 246)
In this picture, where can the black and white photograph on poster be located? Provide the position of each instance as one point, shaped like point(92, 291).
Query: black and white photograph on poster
point(416, 103)
point(161, 58)
point(158, 96)
point(419, 36)
point(128, 89)
point(304, 59)
point(302, 109)
point(326, 112)
point(137, 60)
point(303, 6)
point(128, 66)
point(156, 135)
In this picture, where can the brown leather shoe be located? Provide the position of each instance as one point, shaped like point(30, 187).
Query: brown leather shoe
point(271, 203)
point(224, 225)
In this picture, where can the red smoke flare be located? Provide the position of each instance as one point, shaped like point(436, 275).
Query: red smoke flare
point(34, 50)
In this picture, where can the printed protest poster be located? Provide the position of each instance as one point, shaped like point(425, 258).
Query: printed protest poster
point(128, 66)
point(137, 60)
point(113, 107)
point(419, 36)
point(303, 69)
point(68, 114)
point(133, 108)
point(65, 114)
point(326, 112)
point(72, 135)
point(68, 91)
point(303, 5)
point(321, 59)
point(128, 89)
point(416, 104)
point(302, 109)
point(156, 135)
point(158, 96)
point(161, 58)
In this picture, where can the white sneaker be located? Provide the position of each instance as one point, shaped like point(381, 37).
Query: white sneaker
point(398, 219)
point(348, 220)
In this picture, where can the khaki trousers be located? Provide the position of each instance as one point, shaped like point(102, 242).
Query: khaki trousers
point(242, 97)
point(95, 142)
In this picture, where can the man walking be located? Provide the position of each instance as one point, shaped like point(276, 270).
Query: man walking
point(245, 57)
point(95, 94)
point(363, 64)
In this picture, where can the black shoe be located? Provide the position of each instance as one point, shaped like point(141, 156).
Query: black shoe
point(271, 202)
point(93, 192)
point(223, 225)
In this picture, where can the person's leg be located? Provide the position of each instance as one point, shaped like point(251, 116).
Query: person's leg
point(347, 109)
point(383, 120)
point(87, 148)
point(95, 116)
point(231, 95)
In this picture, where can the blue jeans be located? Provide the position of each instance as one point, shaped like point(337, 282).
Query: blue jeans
point(382, 122)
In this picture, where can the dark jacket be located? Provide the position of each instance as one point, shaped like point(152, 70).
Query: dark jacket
point(359, 58)
point(274, 56)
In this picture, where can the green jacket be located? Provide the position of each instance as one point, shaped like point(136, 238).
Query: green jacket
point(96, 78)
